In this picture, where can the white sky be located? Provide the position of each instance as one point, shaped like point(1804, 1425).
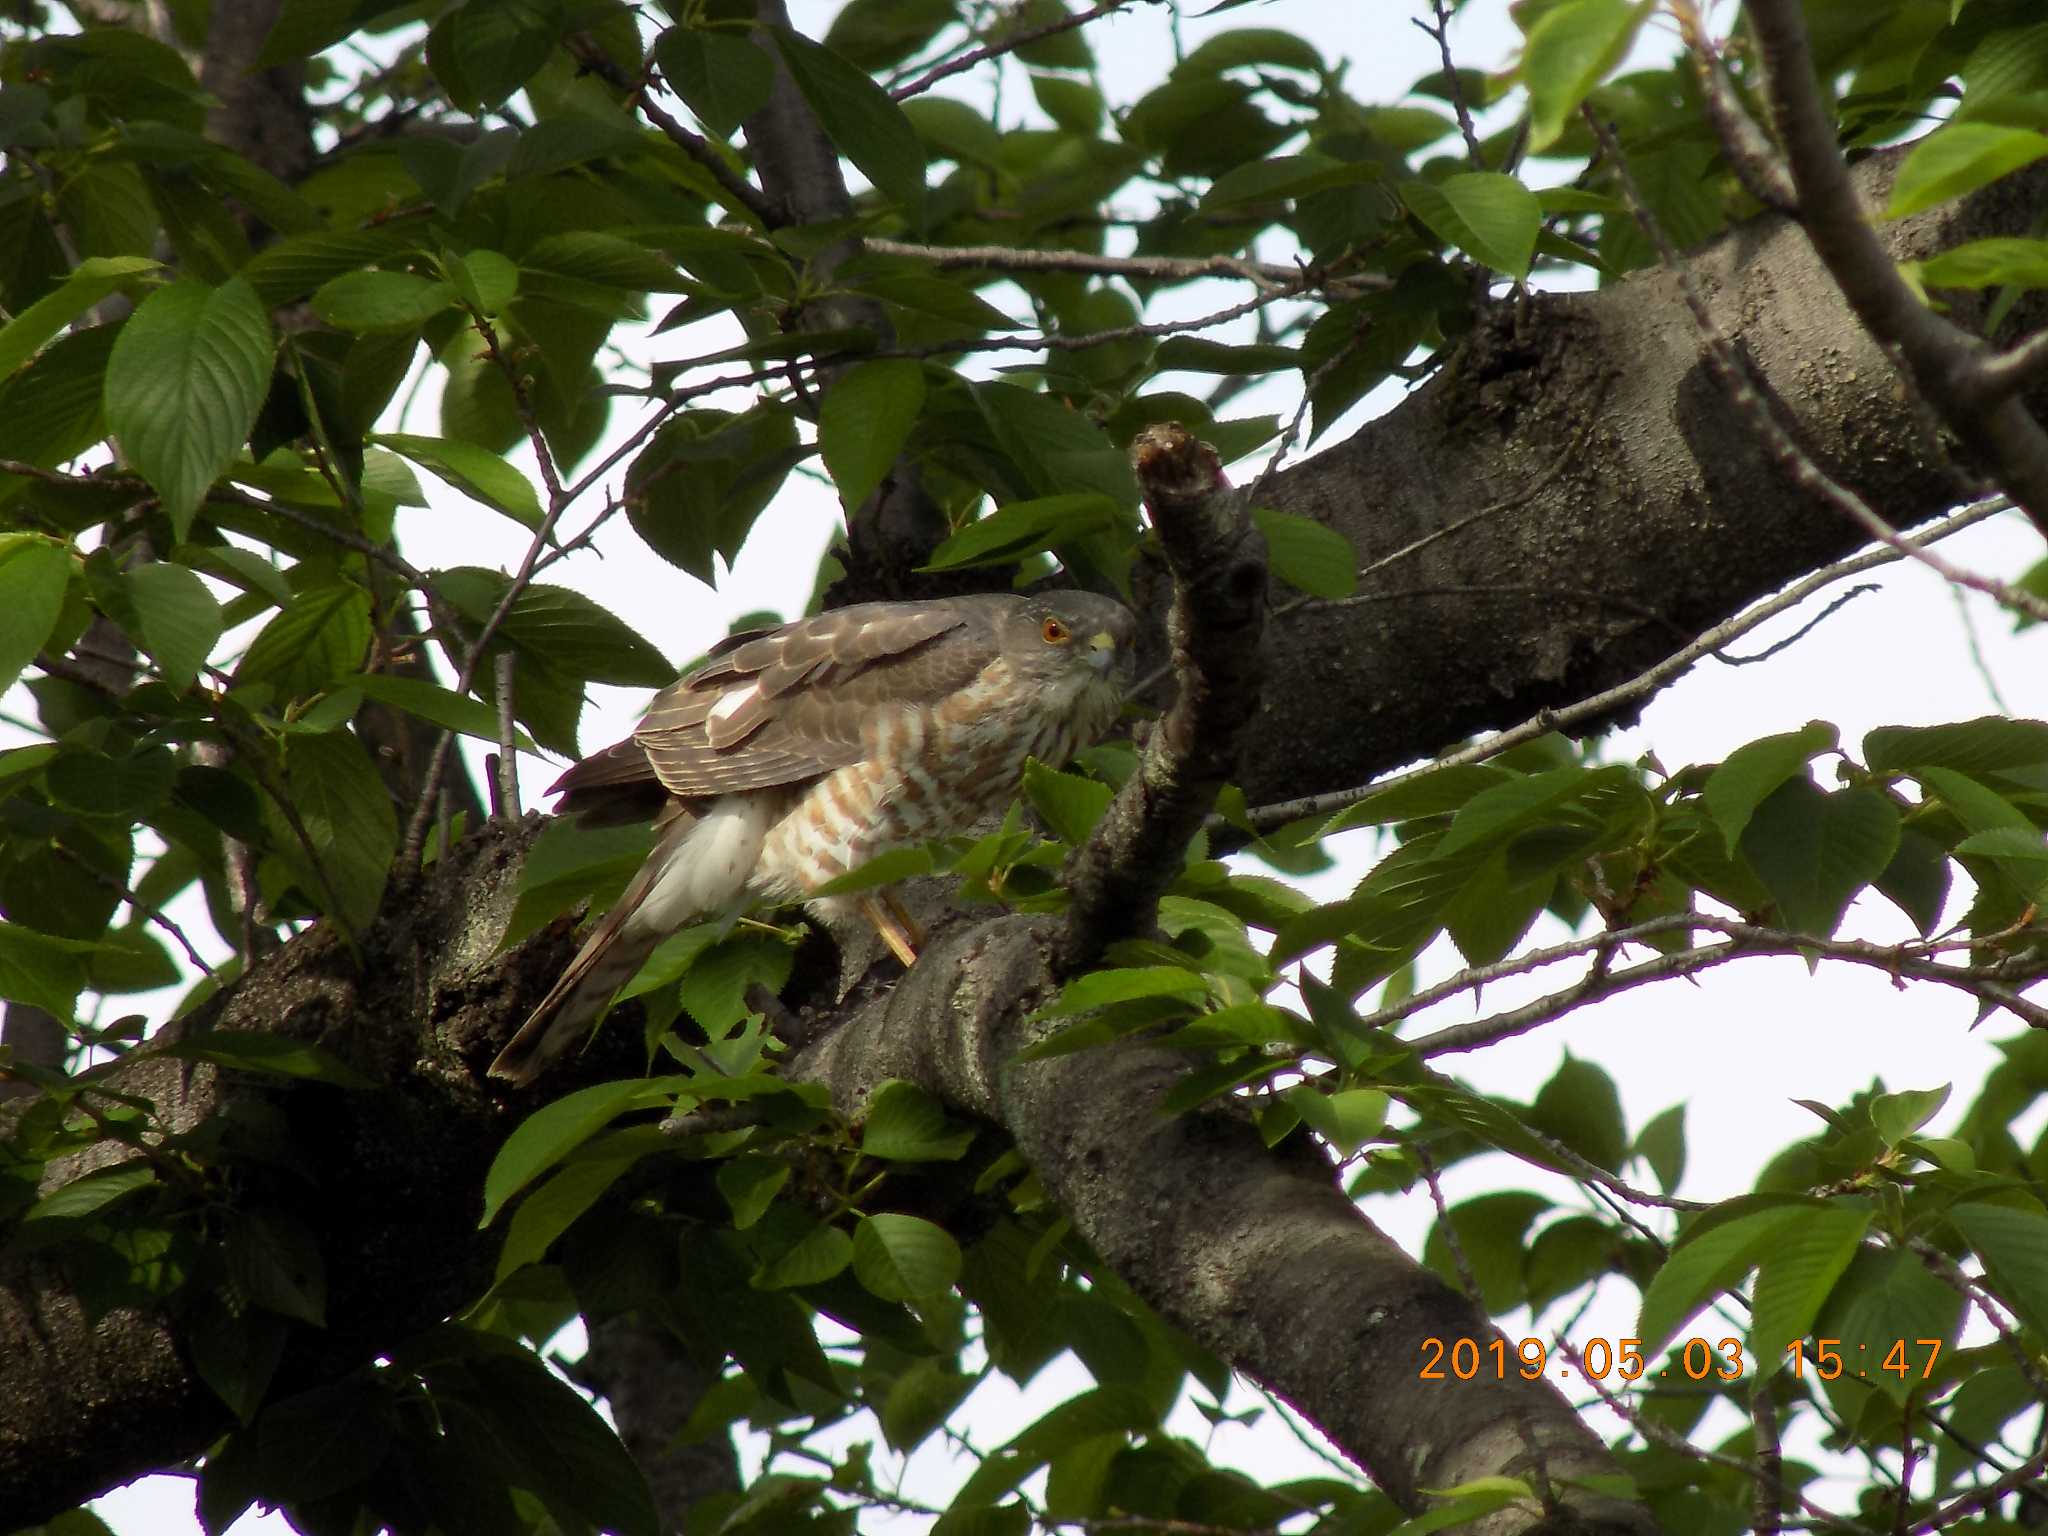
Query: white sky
point(1736, 1047)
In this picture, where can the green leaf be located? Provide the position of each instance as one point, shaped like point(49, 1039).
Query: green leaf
point(89, 282)
point(185, 380)
point(1899, 1115)
point(724, 78)
point(1492, 1233)
point(860, 119)
point(562, 629)
point(321, 636)
point(1703, 1265)
point(440, 706)
point(1068, 803)
point(1983, 264)
point(750, 1185)
point(276, 1055)
point(368, 302)
point(1023, 528)
point(471, 470)
point(2013, 1243)
point(1581, 1107)
point(866, 419)
point(180, 621)
point(1347, 1119)
point(1661, 1144)
point(694, 491)
point(1815, 851)
point(325, 1441)
point(91, 1193)
point(555, 1130)
point(1570, 50)
point(1958, 158)
point(348, 815)
point(1106, 1411)
point(610, 261)
point(1798, 1270)
point(1099, 989)
point(274, 1262)
point(1492, 218)
point(904, 1258)
point(1989, 744)
point(1751, 773)
point(35, 573)
point(813, 1259)
point(1917, 879)
point(552, 1209)
point(904, 1124)
point(40, 970)
point(1307, 554)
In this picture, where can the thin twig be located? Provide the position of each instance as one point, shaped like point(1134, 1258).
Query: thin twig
point(1170, 269)
point(1840, 601)
point(1751, 155)
point(507, 782)
point(1016, 40)
point(1453, 86)
point(143, 908)
point(1278, 814)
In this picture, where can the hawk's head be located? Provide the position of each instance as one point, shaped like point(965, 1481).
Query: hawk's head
point(1080, 648)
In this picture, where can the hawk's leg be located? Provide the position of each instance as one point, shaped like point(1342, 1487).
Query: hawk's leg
point(896, 927)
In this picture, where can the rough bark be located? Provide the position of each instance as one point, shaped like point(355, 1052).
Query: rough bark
point(1623, 476)
point(1631, 510)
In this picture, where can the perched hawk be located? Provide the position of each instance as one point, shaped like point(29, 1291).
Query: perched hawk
point(795, 754)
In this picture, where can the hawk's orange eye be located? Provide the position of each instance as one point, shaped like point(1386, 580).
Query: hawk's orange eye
point(1055, 633)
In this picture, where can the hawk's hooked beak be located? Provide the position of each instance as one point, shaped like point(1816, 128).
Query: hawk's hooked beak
point(1102, 650)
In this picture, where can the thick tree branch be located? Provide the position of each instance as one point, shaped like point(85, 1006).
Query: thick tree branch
point(1257, 1255)
point(1665, 500)
point(1946, 363)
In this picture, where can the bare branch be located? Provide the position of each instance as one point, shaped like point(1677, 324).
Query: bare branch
point(506, 786)
point(1170, 269)
point(1019, 39)
point(1753, 157)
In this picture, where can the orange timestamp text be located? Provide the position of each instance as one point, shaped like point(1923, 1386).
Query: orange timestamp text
point(1697, 1359)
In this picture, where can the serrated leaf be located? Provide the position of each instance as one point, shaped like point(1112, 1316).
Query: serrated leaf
point(1988, 744)
point(185, 380)
point(555, 1130)
point(864, 422)
point(89, 282)
point(1988, 264)
point(1307, 554)
point(1347, 1119)
point(1581, 1107)
point(441, 706)
point(1751, 773)
point(1099, 989)
point(724, 78)
point(1570, 49)
point(552, 1209)
point(319, 637)
point(277, 1055)
point(813, 1259)
point(1068, 803)
point(1023, 528)
point(750, 1185)
point(370, 302)
point(35, 573)
point(348, 815)
point(904, 1124)
point(1796, 1272)
point(1492, 218)
point(179, 619)
point(90, 1194)
point(904, 1258)
point(1898, 1115)
point(1815, 851)
point(1701, 1266)
point(1958, 158)
point(859, 118)
point(473, 471)
point(2013, 1243)
point(1661, 1144)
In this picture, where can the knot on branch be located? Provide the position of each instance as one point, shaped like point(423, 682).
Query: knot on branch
point(1217, 560)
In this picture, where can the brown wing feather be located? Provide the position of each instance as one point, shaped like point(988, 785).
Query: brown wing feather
point(809, 688)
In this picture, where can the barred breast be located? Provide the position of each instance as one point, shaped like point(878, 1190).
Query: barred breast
point(927, 773)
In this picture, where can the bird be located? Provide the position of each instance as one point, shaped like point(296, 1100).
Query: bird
point(795, 754)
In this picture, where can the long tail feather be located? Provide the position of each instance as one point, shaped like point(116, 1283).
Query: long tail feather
point(610, 957)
